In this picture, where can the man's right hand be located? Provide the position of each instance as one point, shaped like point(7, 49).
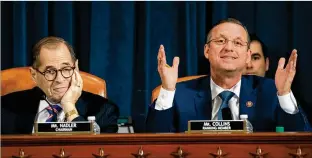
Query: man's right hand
point(168, 75)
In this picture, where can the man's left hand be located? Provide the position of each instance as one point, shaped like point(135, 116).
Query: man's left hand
point(285, 76)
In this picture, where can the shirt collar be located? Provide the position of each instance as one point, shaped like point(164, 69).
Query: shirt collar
point(42, 105)
point(216, 90)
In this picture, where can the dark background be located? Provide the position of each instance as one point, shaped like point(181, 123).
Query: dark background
point(119, 41)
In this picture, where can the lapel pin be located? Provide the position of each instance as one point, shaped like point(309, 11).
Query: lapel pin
point(249, 104)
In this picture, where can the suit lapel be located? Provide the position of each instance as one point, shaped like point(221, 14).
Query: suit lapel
point(248, 98)
point(202, 100)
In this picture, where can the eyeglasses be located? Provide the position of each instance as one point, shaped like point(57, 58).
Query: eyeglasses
point(50, 74)
point(222, 41)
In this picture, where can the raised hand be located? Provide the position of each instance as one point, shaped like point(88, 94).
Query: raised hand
point(285, 76)
point(168, 75)
point(74, 91)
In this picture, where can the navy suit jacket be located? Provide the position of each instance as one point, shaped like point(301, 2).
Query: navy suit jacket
point(192, 101)
point(19, 110)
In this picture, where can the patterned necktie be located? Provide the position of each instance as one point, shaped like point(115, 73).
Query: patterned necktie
point(53, 110)
point(225, 96)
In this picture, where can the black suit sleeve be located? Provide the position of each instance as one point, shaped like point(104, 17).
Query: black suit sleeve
point(160, 121)
point(105, 112)
point(107, 118)
point(8, 119)
point(293, 122)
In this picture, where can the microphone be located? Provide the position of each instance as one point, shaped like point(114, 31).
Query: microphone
point(226, 114)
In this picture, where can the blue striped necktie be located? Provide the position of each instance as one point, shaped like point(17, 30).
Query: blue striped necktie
point(53, 110)
point(225, 96)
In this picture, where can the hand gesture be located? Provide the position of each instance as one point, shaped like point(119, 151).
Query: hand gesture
point(168, 75)
point(74, 91)
point(285, 76)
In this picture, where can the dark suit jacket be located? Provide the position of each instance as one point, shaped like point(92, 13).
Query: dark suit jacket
point(192, 101)
point(19, 110)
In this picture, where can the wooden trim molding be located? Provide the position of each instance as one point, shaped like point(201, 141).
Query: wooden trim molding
point(181, 138)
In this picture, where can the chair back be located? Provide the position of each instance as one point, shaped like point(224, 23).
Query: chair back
point(19, 79)
point(155, 92)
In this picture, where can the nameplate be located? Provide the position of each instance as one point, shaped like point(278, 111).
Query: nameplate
point(63, 127)
point(216, 126)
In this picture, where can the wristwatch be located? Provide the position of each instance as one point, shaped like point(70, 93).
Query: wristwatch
point(70, 113)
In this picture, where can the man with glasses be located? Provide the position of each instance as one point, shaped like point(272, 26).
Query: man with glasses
point(58, 95)
point(226, 94)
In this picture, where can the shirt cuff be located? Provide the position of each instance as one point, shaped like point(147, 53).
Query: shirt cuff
point(288, 103)
point(164, 100)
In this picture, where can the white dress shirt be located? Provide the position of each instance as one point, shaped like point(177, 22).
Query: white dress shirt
point(43, 114)
point(165, 99)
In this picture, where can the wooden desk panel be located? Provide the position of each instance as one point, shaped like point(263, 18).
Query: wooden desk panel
point(159, 145)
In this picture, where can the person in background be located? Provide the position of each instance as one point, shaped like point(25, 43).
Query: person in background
point(259, 62)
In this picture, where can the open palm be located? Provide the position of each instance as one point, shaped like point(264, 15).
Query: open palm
point(168, 75)
point(285, 76)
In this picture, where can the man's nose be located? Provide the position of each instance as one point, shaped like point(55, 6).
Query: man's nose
point(249, 65)
point(229, 46)
point(59, 77)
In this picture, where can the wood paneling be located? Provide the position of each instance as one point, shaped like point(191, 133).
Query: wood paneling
point(278, 145)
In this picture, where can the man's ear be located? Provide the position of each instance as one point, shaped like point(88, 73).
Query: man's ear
point(267, 64)
point(206, 51)
point(33, 73)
